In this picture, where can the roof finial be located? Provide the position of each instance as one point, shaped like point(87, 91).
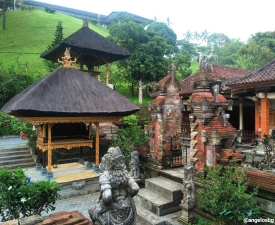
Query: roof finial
point(66, 59)
point(85, 23)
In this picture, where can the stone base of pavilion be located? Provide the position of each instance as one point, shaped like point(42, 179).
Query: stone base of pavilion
point(74, 178)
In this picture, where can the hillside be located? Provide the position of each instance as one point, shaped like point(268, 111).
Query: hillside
point(28, 33)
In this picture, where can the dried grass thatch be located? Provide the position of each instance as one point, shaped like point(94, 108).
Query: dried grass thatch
point(69, 92)
point(91, 45)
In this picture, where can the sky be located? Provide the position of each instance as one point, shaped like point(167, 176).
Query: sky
point(237, 19)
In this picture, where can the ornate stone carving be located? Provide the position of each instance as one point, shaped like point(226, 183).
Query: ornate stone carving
point(117, 189)
point(215, 138)
point(188, 187)
point(134, 164)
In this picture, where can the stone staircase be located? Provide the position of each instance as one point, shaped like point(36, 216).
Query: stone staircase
point(16, 156)
point(161, 196)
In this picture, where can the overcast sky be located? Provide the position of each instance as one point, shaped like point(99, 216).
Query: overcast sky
point(235, 18)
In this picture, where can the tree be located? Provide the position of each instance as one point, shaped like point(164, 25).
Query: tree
point(164, 31)
point(147, 49)
point(58, 37)
point(254, 55)
point(182, 63)
point(147, 63)
point(216, 41)
point(225, 195)
point(228, 53)
point(5, 5)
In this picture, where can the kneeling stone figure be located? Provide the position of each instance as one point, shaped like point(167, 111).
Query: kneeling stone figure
point(117, 188)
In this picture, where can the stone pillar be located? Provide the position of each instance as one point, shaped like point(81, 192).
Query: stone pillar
point(264, 115)
point(188, 201)
point(241, 114)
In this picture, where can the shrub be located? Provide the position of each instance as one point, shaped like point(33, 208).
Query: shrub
point(224, 194)
point(6, 122)
point(130, 135)
point(20, 198)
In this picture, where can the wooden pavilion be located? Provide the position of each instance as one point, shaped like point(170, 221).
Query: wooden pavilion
point(88, 48)
point(259, 86)
point(63, 105)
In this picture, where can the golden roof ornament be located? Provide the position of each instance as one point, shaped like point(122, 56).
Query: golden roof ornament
point(66, 59)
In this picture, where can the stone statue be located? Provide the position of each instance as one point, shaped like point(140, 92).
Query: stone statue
point(216, 91)
point(188, 187)
point(134, 164)
point(117, 188)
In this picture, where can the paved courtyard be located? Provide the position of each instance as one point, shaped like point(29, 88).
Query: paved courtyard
point(80, 203)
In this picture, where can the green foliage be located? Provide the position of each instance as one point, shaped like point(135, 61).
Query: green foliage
point(49, 10)
point(183, 63)
point(58, 37)
point(10, 125)
point(130, 135)
point(14, 80)
point(6, 122)
point(224, 195)
point(267, 145)
point(20, 198)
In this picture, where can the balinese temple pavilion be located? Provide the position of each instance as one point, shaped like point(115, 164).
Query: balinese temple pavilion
point(64, 104)
point(90, 49)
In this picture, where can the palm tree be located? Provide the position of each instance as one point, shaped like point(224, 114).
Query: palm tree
point(204, 35)
point(188, 36)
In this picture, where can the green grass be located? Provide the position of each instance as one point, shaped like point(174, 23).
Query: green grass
point(31, 31)
point(194, 67)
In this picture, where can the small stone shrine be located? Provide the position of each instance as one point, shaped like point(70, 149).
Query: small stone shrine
point(213, 138)
point(166, 119)
point(117, 189)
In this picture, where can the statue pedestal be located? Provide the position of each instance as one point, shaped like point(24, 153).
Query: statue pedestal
point(187, 214)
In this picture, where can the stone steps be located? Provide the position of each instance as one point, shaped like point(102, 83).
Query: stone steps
point(160, 196)
point(16, 156)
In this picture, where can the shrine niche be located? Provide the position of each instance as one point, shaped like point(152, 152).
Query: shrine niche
point(63, 106)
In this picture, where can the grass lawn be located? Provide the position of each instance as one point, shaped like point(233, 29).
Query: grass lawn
point(29, 32)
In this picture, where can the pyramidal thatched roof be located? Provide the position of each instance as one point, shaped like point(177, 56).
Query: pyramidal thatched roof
point(69, 92)
point(90, 44)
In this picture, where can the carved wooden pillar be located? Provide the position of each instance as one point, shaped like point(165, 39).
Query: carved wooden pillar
point(97, 144)
point(89, 164)
point(50, 174)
